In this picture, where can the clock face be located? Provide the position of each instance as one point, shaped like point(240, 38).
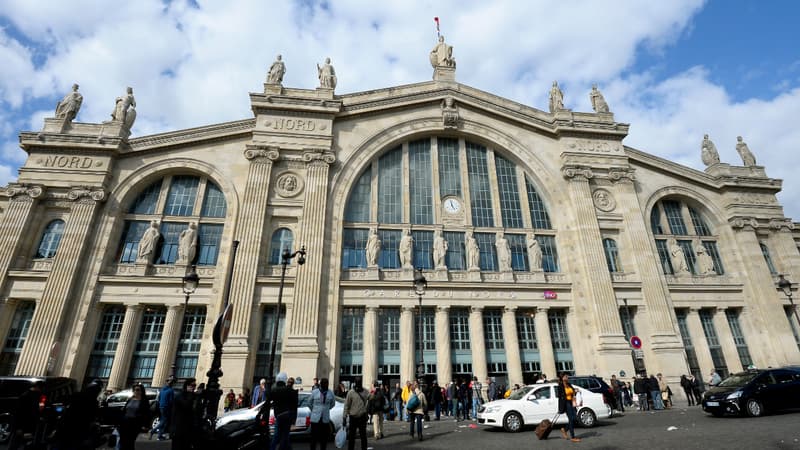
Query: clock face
point(452, 205)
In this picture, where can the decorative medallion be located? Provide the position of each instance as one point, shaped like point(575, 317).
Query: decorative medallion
point(603, 200)
point(289, 184)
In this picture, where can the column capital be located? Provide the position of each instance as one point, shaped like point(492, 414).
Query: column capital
point(134, 307)
point(261, 153)
point(86, 194)
point(695, 309)
point(443, 308)
point(23, 192)
point(175, 307)
point(510, 309)
point(542, 309)
point(318, 156)
point(574, 172)
point(408, 308)
point(783, 224)
point(740, 223)
point(371, 309)
point(476, 309)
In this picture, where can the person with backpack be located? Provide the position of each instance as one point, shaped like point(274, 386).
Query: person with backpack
point(417, 405)
point(355, 415)
point(376, 403)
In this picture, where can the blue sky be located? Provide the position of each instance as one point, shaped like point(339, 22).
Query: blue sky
point(673, 70)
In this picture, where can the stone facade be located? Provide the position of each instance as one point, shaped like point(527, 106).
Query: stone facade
point(295, 166)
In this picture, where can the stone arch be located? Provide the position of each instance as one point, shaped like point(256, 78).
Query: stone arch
point(709, 208)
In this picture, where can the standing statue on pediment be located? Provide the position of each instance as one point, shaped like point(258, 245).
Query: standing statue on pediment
point(373, 247)
point(534, 253)
point(187, 244)
point(598, 102)
point(678, 258)
point(503, 252)
point(705, 264)
point(69, 106)
point(125, 109)
point(442, 54)
point(327, 76)
point(748, 159)
point(439, 250)
point(473, 252)
point(147, 244)
point(556, 98)
point(276, 71)
point(405, 250)
point(708, 152)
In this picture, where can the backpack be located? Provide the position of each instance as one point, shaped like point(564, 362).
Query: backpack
point(413, 402)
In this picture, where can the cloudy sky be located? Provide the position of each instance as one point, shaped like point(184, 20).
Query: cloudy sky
point(674, 69)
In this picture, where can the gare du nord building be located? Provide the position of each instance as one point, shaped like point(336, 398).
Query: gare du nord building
point(433, 160)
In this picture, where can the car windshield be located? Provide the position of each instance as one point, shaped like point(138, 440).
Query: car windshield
point(520, 393)
point(738, 380)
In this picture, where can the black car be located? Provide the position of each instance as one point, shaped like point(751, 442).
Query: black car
point(754, 392)
point(111, 409)
point(55, 396)
point(597, 385)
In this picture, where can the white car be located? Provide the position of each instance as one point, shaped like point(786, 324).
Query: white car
point(533, 403)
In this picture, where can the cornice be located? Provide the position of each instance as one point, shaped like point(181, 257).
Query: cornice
point(192, 135)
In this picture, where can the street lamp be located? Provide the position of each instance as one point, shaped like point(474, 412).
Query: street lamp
point(786, 287)
point(286, 257)
point(190, 282)
point(420, 284)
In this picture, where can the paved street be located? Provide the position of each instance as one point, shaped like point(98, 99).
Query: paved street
point(634, 430)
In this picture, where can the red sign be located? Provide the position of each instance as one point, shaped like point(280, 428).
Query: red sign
point(636, 342)
point(550, 295)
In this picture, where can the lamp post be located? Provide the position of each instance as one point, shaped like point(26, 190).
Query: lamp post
point(420, 284)
point(786, 287)
point(286, 258)
point(190, 282)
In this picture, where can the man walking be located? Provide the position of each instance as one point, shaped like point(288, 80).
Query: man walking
point(477, 396)
point(259, 393)
point(397, 398)
point(166, 396)
point(655, 392)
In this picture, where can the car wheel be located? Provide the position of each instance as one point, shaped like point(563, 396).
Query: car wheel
point(754, 408)
point(5, 429)
point(587, 418)
point(512, 422)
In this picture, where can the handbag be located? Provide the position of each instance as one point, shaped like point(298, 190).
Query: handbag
point(341, 438)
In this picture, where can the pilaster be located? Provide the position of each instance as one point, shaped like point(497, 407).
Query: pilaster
point(44, 336)
point(14, 223)
point(478, 344)
point(127, 343)
point(170, 337)
point(407, 344)
point(369, 371)
point(699, 342)
point(726, 341)
point(444, 366)
point(511, 339)
point(546, 354)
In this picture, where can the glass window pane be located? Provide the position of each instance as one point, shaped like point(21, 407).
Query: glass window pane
point(354, 243)
point(353, 330)
point(488, 251)
point(15, 340)
point(420, 183)
point(539, 217)
point(663, 254)
point(519, 252)
point(194, 321)
point(711, 248)
point(265, 342)
point(655, 220)
point(389, 257)
point(673, 211)
point(282, 239)
point(549, 253)
point(358, 206)
point(423, 249)
point(509, 193)
point(131, 234)
point(50, 239)
point(612, 255)
point(459, 329)
point(718, 359)
point(479, 187)
point(390, 187)
point(738, 337)
point(181, 197)
point(214, 204)
point(700, 227)
point(208, 241)
point(449, 168)
point(526, 331)
point(145, 203)
point(456, 252)
point(146, 351)
point(170, 234)
point(688, 252)
point(389, 326)
point(493, 329)
point(691, 356)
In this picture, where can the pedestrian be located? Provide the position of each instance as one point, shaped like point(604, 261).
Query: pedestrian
point(452, 396)
point(714, 379)
point(437, 399)
point(315, 383)
point(664, 390)
point(542, 379)
point(477, 397)
point(240, 400)
point(616, 386)
point(26, 415)
point(355, 415)
point(322, 401)
point(283, 399)
point(417, 411)
point(640, 389)
point(687, 389)
point(569, 400)
point(230, 401)
point(341, 391)
point(491, 389)
point(185, 416)
point(655, 392)
point(397, 398)
point(405, 396)
point(75, 430)
point(696, 389)
point(165, 398)
point(259, 393)
point(135, 414)
point(375, 404)
point(463, 400)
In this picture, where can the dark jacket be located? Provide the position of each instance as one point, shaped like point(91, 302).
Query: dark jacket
point(436, 394)
point(640, 386)
point(185, 415)
point(375, 402)
point(142, 413)
point(562, 397)
point(284, 400)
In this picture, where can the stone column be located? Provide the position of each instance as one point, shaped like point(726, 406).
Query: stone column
point(250, 232)
point(726, 341)
point(127, 344)
point(547, 356)
point(14, 222)
point(444, 366)
point(513, 361)
point(301, 348)
point(7, 309)
point(478, 344)
point(407, 344)
point(53, 309)
point(783, 244)
point(699, 342)
point(170, 338)
point(369, 370)
point(592, 288)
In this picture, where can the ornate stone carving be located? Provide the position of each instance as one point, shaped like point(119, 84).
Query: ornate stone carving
point(147, 244)
point(598, 102)
point(742, 223)
point(373, 248)
point(442, 55)
point(556, 98)
point(450, 117)
point(125, 109)
point(326, 74)
point(261, 154)
point(534, 253)
point(439, 250)
point(404, 249)
point(778, 224)
point(320, 155)
point(748, 159)
point(25, 192)
point(603, 200)
point(678, 258)
point(276, 71)
point(621, 174)
point(86, 192)
point(577, 173)
point(708, 152)
point(289, 184)
point(69, 106)
point(473, 253)
point(503, 252)
point(187, 244)
point(705, 264)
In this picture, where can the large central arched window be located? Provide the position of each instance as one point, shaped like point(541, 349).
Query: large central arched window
point(682, 234)
point(174, 202)
point(450, 185)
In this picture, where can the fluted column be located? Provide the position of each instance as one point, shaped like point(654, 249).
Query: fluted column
point(726, 341)
point(14, 223)
point(699, 342)
point(513, 361)
point(407, 344)
point(478, 344)
point(547, 356)
point(444, 367)
point(173, 325)
point(369, 369)
point(7, 310)
point(302, 344)
point(125, 347)
point(782, 242)
point(52, 310)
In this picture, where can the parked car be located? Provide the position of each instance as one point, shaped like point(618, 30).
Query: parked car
point(754, 392)
point(111, 409)
point(302, 425)
point(597, 385)
point(533, 403)
point(55, 396)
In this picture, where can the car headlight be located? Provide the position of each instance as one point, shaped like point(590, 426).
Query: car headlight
point(493, 409)
point(734, 395)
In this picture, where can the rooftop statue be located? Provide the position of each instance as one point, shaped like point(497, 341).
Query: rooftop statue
point(708, 152)
point(442, 54)
point(125, 109)
point(598, 102)
point(276, 71)
point(327, 76)
point(69, 106)
point(748, 159)
point(556, 98)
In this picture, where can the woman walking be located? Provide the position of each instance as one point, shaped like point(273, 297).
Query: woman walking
point(321, 403)
point(568, 401)
point(416, 412)
point(134, 417)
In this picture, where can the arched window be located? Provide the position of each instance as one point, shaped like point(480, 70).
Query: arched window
point(612, 255)
point(768, 258)
point(696, 242)
point(282, 239)
point(50, 239)
point(448, 184)
point(174, 202)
